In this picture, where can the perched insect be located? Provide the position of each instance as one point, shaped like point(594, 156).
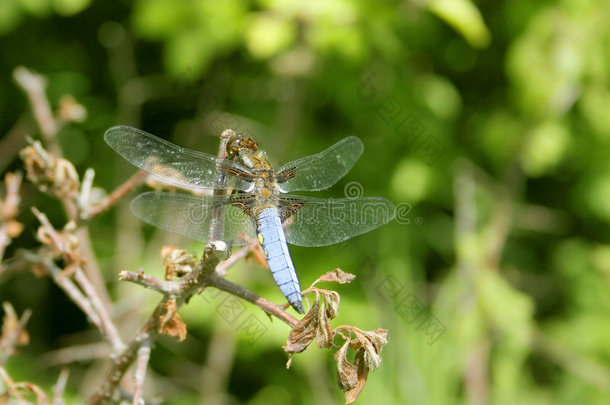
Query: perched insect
point(259, 208)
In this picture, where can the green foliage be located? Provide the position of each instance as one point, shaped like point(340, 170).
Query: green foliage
point(488, 125)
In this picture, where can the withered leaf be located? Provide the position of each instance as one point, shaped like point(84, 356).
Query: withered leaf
point(331, 300)
point(372, 343)
point(324, 333)
point(362, 375)
point(170, 322)
point(338, 276)
point(177, 262)
point(303, 332)
point(347, 373)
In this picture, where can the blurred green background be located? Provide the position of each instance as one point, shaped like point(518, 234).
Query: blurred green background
point(487, 122)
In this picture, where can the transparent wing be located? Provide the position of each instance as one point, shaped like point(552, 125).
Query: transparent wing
point(311, 222)
point(173, 164)
point(322, 170)
point(191, 216)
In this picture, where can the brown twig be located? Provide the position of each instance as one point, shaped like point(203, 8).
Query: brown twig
point(117, 194)
point(174, 288)
point(82, 291)
point(108, 328)
point(188, 286)
point(222, 268)
point(140, 374)
point(77, 353)
point(34, 86)
point(59, 387)
point(267, 306)
point(163, 286)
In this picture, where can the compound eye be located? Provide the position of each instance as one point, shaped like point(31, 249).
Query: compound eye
point(233, 145)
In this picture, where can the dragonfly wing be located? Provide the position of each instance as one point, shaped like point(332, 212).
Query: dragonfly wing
point(322, 170)
point(312, 222)
point(173, 164)
point(192, 216)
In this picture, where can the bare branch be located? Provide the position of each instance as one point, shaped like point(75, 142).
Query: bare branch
point(86, 296)
point(76, 353)
point(267, 306)
point(163, 286)
point(108, 328)
point(59, 387)
point(188, 286)
point(140, 374)
point(34, 86)
point(222, 268)
point(117, 194)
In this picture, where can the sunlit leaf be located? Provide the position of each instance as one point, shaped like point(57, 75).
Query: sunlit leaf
point(70, 7)
point(465, 17)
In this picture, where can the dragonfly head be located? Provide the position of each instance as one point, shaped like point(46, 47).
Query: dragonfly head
point(239, 143)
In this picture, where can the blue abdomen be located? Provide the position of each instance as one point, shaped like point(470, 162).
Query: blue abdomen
point(271, 237)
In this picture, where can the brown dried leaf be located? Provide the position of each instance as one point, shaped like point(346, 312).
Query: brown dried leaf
point(368, 344)
point(49, 172)
point(170, 322)
point(177, 262)
point(337, 276)
point(371, 342)
point(332, 299)
point(347, 373)
point(362, 374)
point(324, 333)
point(303, 332)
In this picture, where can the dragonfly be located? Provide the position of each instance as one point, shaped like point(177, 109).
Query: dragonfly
point(256, 204)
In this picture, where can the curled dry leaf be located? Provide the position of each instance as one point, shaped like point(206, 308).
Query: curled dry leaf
point(362, 373)
point(49, 172)
point(316, 323)
point(352, 376)
point(347, 372)
point(303, 332)
point(337, 276)
point(332, 299)
point(324, 333)
point(329, 310)
point(177, 262)
point(170, 322)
